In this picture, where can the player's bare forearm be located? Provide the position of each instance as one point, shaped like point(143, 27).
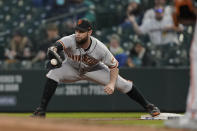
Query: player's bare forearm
point(109, 88)
point(113, 75)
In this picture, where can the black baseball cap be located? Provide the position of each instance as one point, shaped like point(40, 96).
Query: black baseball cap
point(83, 25)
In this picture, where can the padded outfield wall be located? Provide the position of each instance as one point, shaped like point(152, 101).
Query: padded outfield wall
point(20, 91)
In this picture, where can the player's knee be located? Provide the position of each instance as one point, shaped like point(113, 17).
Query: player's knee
point(52, 77)
point(124, 87)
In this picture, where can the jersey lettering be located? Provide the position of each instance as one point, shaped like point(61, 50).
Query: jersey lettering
point(86, 59)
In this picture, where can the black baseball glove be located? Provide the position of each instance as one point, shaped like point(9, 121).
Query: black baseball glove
point(53, 53)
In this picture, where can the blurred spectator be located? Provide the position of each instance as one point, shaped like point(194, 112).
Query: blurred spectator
point(52, 37)
point(139, 56)
point(132, 9)
point(114, 45)
point(150, 14)
point(116, 50)
point(162, 33)
point(20, 48)
point(67, 27)
point(161, 30)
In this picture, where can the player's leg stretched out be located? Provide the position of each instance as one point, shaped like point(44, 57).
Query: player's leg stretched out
point(122, 85)
point(48, 92)
point(138, 97)
point(51, 86)
point(100, 75)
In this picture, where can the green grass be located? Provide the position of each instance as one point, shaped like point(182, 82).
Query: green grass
point(95, 115)
point(81, 115)
point(99, 118)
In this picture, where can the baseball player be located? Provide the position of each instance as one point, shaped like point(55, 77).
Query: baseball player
point(86, 58)
point(189, 120)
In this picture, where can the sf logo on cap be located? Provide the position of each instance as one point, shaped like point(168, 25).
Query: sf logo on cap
point(79, 22)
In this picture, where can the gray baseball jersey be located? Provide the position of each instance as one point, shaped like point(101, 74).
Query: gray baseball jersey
point(93, 64)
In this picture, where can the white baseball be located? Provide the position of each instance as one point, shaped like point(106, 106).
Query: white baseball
point(53, 61)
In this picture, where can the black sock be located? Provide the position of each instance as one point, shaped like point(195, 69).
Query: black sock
point(138, 97)
point(48, 92)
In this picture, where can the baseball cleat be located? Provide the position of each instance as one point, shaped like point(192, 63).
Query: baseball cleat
point(153, 110)
point(39, 112)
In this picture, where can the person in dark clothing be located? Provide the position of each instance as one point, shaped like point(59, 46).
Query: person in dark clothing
point(52, 37)
point(139, 56)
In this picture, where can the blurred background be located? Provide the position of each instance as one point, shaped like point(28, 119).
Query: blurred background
point(155, 53)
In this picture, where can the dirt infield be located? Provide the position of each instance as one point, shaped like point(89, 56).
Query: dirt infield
point(29, 124)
